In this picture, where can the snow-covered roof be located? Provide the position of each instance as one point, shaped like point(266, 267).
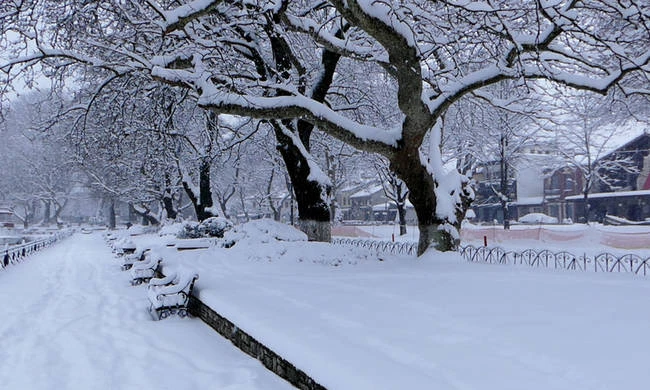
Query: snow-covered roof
point(349, 188)
point(610, 194)
point(390, 204)
point(531, 200)
point(367, 192)
point(623, 135)
point(383, 206)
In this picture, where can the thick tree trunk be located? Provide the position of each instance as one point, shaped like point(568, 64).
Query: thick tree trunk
point(58, 210)
point(435, 231)
point(202, 201)
point(147, 218)
point(205, 191)
point(312, 197)
point(168, 204)
point(313, 210)
point(47, 212)
point(111, 215)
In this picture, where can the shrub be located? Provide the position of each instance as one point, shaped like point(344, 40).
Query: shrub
point(214, 227)
point(211, 227)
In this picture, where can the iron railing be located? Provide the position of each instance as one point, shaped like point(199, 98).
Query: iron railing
point(395, 248)
point(17, 253)
point(543, 258)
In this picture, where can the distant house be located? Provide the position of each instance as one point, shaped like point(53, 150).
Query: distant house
point(487, 179)
point(627, 193)
point(526, 186)
point(343, 201)
point(563, 183)
point(362, 202)
point(368, 203)
point(8, 219)
point(539, 185)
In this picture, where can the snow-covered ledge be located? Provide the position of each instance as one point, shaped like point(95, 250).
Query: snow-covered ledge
point(249, 345)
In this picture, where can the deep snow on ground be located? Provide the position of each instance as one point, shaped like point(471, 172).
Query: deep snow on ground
point(70, 320)
point(354, 322)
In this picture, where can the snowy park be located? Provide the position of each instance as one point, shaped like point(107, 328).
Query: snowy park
point(350, 318)
point(335, 194)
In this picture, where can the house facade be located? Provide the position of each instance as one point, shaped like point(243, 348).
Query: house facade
point(541, 186)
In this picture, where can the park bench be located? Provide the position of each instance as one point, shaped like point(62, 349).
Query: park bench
point(124, 247)
point(129, 260)
point(171, 294)
point(192, 244)
point(143, 271)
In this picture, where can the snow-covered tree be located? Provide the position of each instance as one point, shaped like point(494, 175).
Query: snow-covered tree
point(587, 131)
point(394, 189)
point(255, 59)
point(36, 158)
point(494, 133)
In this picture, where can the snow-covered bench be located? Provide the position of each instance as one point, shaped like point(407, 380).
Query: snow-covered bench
point(171, 294)
point(129, 260)
point(192, 243)
point(125, 247)
point(144, 270)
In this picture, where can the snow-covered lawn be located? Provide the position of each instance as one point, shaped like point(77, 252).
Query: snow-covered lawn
point(351, 321)
point(70, 320)
point(354, 322)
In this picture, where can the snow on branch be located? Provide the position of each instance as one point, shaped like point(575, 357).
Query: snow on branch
point(299, 106)
point(451, 184)
point(315, 173)
point(280, 107)
point(361, 50)
point(177, 18)
point(594, 83)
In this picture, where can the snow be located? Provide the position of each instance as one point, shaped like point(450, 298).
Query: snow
point(390, 17)
point(348, 319)
point(450, 182)
point(353, 322)
point(537, 218)
point(367, 192)
point(186, 10)
point(264, 231)
point(172, 229)
point(212, 97)
point(609, 194)
point(79, 325)
point(620, 135)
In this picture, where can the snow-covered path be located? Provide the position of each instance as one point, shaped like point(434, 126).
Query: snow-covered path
point(70, 320)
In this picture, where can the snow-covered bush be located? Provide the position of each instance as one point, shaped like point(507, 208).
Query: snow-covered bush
point(264, 231)
point(214, 227)
point(172, 229)
point(190, 230)
point(211, 227)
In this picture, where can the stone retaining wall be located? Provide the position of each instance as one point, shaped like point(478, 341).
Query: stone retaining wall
point(252, 347)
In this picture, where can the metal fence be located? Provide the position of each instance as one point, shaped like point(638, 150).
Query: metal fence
point(17, 253)
point(395, 248)
point(544, 258)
